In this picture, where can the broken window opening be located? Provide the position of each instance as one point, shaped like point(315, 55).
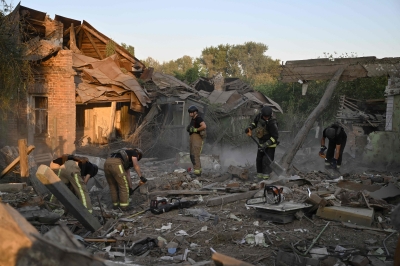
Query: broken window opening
point(41, 115)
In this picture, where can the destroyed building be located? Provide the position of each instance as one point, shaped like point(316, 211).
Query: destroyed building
point(373, 135)
point(82, 96)
point(77, 90)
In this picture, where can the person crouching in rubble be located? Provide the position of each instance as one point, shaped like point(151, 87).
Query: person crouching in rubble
point(197, 133)
point(116, 170)
point(75, 171)
point(337, 142)
point(267, 134)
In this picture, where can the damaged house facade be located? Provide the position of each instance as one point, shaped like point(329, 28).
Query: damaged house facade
point(78, 93)
point(373, 126)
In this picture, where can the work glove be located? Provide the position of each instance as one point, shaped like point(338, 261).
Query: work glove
point(193, 130)
point(142, 179)
point(323, 149)
point(247, 130)
point(334, 163)
point(188, 128)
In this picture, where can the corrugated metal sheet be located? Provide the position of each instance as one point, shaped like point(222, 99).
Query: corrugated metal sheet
point(116, 84)
point(164, 81)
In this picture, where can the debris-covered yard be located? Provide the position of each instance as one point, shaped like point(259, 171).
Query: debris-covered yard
point(324, 217)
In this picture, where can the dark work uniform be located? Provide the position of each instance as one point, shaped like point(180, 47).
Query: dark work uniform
point(267, 134)
point(115, 173)
point(196, 144)
point(339, 139)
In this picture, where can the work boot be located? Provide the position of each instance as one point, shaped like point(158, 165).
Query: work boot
point(265, 176)
point(127, 208)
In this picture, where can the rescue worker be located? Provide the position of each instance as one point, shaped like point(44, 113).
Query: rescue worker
point(197, 133)
point(75, 171)
point(116, 170)
point(337, 142)
point(267, 134)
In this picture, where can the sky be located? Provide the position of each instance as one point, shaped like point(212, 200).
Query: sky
point(292, 29)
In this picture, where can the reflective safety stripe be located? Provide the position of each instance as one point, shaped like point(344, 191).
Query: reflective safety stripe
point(80, 190)
point(59, 172)
point(121, 169)
point(116, 204)
point(197, 172)
point(253, 124)
point(273, 141)
point(51, 198)
point(90, 211)
point(127, 189)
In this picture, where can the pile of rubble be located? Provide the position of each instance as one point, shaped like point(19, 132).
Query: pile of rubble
point(221, 218)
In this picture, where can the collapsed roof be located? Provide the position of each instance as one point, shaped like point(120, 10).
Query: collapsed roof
point(98, 78)
point(325, 68)
point(232, 93)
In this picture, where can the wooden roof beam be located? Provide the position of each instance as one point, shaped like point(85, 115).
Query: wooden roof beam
point(92, 42)
point(127, 56)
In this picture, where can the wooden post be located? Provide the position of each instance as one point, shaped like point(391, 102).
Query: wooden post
point(67, 198)
point(23, 158)
point(94, 139)
point(111, 134)
point(302, 134)
point(15, 162)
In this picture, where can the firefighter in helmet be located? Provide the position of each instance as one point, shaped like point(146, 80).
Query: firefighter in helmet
point(337, 142)
point(266, 127)
point(197, 132)
point(116, 170)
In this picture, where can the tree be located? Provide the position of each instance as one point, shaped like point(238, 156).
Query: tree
point(15, 71)
point(246, 61)
point(129, 48)
point(110, 48)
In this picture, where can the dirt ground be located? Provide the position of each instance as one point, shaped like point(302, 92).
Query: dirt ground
point(284, 244)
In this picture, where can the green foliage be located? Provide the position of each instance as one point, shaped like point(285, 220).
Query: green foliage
point(246, 61)
point(15, 72)
point(129, 48)
point(110, 48)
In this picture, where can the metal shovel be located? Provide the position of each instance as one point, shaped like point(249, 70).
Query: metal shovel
point(279, 170)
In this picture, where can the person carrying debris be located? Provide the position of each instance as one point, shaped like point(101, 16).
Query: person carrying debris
point(75, 171)
point(116, 170)
point(197, 133)
point(337, 142)
point(267, 134)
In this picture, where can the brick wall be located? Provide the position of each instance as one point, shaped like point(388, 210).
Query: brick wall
point(59, 79)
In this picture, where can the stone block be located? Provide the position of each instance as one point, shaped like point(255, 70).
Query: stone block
point(358, 216)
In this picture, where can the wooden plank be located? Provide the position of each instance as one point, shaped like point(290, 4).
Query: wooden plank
point(359, 216)
point(24, 168)
point(90, 31)
point(111, 135)
point(67, 198)
point(230, 198)
point(15, 162)
point(92, 42)
point(12, 187)
point(179, 192)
